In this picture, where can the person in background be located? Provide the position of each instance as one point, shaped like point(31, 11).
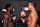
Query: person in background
point(7, 19)
point(33, 16)
point(22, 22)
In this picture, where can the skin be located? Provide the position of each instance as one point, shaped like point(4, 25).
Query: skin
point(33, 17)
point(22, 13)
point(14, 18)
point(7, 18)
point(38, 25)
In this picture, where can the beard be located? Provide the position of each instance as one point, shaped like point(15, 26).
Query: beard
point(11, 11)
point(23, 17)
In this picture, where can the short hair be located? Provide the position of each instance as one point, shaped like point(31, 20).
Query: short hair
point(22, 11)
point(13, 15)
point(33, 2)
point(8, 5)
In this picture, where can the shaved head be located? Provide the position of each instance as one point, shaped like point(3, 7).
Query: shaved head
point(22, 13)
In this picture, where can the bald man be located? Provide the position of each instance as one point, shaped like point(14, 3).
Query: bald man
point(22, 22)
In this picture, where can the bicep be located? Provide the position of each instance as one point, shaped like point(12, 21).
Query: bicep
point(29, 21)
point(34, 20)
point(5, 18)
point(5, 21)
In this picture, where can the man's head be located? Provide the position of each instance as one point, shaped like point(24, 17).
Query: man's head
point(31, 4)
point(9, 7)
point(22, 14)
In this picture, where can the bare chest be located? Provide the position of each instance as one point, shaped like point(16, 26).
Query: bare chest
point(9, 17)
point(33, 15)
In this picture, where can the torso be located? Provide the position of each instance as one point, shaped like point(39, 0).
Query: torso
point(10, 23)
point(30, 17)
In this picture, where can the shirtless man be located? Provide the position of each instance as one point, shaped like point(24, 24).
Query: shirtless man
point(32, 19)
point(7, 19)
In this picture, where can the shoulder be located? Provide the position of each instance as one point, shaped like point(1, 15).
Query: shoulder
point(5, 15)
point(34, 15)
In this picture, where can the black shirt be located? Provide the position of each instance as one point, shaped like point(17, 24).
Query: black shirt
point(21, 24)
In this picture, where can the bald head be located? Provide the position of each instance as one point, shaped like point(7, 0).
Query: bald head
point(22, 13)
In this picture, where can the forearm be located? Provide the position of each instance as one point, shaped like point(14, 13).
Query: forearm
point(29, 22)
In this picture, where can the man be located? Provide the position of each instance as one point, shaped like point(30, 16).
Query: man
point(7, 18)
point(22, 22)
point(32, 19)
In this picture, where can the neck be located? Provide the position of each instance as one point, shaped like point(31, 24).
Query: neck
point(8, 12)
point(33, 10)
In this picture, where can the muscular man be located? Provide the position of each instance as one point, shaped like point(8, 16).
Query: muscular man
point(7, 18)
point(32, 19)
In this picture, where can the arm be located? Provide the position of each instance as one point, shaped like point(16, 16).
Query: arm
point(29, 22)
point(5, 21)
point(34, 20)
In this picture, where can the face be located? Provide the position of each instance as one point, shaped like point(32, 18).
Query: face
point(29, 6)
point(23, 14)
point(11, 9)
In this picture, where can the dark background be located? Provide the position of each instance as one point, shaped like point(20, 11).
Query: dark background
point(18, 4)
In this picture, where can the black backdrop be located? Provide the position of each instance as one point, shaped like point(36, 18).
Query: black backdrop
point(17, 6)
